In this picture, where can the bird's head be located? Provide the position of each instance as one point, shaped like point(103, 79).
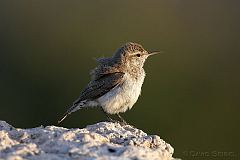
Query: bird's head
point(132, 54)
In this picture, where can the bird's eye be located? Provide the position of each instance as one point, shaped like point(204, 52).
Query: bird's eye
point(138, 55)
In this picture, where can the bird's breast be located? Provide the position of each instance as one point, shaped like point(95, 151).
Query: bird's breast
point(123, 96)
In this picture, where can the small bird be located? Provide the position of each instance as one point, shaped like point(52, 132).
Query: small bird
point(115, 83)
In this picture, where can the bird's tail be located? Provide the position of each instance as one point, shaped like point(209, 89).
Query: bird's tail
point(74, 108)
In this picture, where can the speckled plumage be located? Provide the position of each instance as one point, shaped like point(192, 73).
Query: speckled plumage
point(116, 82)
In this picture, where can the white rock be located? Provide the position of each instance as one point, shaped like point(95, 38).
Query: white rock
point(101, 141)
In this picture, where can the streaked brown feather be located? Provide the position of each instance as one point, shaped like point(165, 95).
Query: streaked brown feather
point(101, 86)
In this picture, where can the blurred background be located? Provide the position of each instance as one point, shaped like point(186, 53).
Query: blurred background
point(191, 93)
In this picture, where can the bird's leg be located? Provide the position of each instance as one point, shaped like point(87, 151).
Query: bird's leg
point(123, 121)
point(108, 117)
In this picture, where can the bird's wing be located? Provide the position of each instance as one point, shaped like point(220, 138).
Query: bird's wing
point(96, 89)
point(101, 86)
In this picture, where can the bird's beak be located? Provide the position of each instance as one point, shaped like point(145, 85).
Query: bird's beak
point(153, 53)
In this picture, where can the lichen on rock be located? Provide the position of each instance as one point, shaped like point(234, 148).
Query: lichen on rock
point(101, 141)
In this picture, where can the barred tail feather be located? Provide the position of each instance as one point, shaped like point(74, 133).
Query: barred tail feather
point(74, 108)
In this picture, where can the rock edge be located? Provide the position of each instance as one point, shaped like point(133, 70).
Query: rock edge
point(100, 141)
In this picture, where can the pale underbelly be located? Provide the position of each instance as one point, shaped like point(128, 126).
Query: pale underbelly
point(121, 98)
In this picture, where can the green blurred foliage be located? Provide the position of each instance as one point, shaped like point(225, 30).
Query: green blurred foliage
point(191, 93)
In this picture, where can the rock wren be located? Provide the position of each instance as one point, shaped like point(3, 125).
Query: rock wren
point(115, 83)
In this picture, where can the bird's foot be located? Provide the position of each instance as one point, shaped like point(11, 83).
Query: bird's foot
point(123, 123)
point(112, 120)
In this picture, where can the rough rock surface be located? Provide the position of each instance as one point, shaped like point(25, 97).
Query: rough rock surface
point(101, 141)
